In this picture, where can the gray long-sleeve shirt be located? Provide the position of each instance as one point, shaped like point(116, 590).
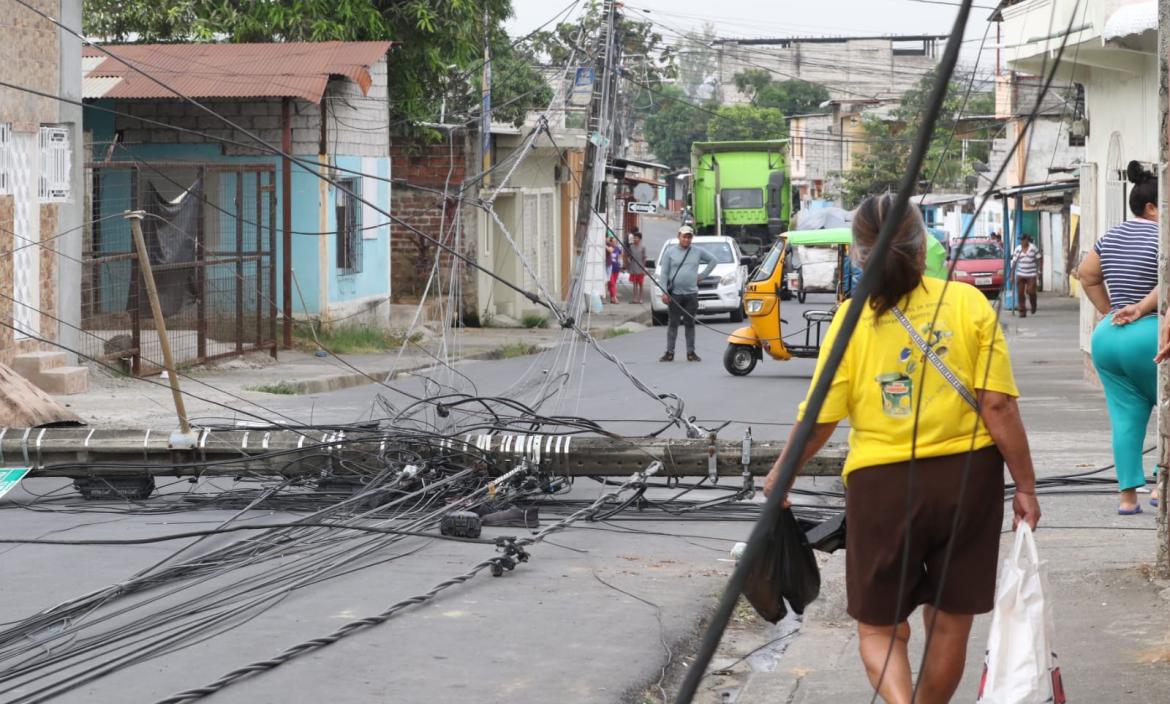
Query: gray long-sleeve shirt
point(683, 269)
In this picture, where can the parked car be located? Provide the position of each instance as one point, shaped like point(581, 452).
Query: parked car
point(721, 291)
point(979, 262)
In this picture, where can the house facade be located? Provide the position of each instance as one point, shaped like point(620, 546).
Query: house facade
point(40, 194)
point(317, 219)
point(1111, 51)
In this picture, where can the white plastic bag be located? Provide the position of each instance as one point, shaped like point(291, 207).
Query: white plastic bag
point(1021, 666)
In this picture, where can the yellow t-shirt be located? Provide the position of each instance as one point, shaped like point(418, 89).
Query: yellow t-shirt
point(877, 385)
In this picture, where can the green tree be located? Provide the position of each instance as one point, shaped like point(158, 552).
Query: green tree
point(791, 97)
point(746, 122)
point(673, 126)
point(429, 35)
point(947, 166)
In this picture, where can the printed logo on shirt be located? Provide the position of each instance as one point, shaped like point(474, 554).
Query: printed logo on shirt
point(897, 387)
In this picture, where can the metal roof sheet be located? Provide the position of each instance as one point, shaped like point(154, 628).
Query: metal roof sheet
point(276, 70)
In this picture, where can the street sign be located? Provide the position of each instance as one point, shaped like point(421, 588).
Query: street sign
point(10, 478)
point(582, 91)
point(643, 208)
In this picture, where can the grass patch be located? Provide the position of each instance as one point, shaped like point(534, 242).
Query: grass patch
point(534, 320)
point(616, 332)
point(514, 349)
point(282, 388)
point(350, 339)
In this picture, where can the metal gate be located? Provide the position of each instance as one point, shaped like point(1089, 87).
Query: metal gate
point(211, 236)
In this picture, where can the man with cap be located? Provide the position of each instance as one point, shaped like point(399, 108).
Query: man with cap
point(679, 276)
point(1025, 261)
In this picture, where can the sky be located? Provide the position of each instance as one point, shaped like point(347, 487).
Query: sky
point(783, 18)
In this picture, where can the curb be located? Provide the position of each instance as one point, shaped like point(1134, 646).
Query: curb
point(337, 382)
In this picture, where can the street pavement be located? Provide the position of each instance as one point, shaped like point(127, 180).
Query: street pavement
point(601, 615)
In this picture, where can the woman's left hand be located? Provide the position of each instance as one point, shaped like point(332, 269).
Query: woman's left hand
point(770, 485)
point(1126, 315)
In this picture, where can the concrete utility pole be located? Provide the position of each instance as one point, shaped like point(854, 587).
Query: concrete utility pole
point(1163, 279)
point(485, 136)
point(594, 132)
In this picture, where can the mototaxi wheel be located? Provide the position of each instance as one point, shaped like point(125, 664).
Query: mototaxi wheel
point(739, 360)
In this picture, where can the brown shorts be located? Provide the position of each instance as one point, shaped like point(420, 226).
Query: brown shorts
point(876, 531)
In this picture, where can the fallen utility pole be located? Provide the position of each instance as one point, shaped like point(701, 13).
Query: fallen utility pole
point(81, 453)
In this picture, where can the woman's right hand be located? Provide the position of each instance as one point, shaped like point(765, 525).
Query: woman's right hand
point(1127, 314)
point(1026, 508)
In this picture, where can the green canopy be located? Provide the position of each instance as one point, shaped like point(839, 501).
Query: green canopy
point(936, 254)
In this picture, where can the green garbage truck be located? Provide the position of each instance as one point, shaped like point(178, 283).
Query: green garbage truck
point(741, 190)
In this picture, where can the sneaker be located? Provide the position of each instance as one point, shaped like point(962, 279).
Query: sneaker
point(668, 357)
point(692, 357)
point(514, 517)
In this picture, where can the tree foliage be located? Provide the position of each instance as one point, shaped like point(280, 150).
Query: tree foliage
point(673, 126)
point(746, 122)
point(430, 35)
point(648, 59)
point(948, 166)
point(791, 97)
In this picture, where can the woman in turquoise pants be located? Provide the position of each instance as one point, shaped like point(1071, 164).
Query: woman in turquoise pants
point(1120, 277)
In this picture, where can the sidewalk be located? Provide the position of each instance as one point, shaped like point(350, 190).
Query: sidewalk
point(119, 401)
point(1112, 619)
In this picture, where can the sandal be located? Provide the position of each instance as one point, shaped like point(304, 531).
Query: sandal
point(1130, 511)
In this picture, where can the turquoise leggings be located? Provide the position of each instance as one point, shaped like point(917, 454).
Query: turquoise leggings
point(1124, 358)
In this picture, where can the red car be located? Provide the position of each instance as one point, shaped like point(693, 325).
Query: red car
point(979, 263)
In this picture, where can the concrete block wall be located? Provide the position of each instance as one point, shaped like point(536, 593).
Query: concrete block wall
point(428, 166)
point(261, 116)
point(359, 124)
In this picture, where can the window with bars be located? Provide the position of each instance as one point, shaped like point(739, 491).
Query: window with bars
point(5, 158)
point(349, 226)
point(56, 165)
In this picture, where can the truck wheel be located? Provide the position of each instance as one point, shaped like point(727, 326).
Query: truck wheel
point(737, 314)
point(739, 360)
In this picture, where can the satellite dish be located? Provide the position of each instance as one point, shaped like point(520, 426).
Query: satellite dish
point(644, 193)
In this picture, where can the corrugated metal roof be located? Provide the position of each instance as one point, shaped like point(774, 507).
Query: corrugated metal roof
point(295, 69)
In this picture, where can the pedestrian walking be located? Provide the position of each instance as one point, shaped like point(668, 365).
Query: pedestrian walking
point(1026, 264)
point(613, 262)
point(636, 263)
point(927, 387)
point(1120, 278)
point(679, 274)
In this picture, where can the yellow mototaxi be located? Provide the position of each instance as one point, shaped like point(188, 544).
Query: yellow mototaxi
point(764, 333)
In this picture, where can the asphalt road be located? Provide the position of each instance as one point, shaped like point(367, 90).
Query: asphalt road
point(593, 618)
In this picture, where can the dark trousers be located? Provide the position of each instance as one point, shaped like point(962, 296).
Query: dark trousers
point(683, 307)
point(1025, 285)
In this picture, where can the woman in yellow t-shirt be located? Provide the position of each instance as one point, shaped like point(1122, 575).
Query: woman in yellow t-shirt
point(924, 475)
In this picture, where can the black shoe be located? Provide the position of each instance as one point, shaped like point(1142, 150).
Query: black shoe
point(514, 517)
point(692, 357)
point(668, 357)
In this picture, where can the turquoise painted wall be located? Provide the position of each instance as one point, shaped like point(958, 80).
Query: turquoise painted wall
point(373, 280)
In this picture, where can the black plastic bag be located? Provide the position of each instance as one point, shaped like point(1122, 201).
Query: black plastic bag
point(786, 570)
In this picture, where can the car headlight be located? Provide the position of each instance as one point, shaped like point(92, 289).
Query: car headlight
point(962, 274)
point(755, 305)
point(999, 272)
point(727, 280)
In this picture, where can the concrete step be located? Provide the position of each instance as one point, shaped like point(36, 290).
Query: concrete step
point(31, 363)
point(62, 381)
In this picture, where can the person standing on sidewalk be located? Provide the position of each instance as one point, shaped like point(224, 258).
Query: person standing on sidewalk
point(927, 386)
point(636, 263)
point(1120, 278)
point(679, 275)
point(613, 263)
point(1026, 263)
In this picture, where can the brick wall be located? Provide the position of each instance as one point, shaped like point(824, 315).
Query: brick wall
point(29, 57)
point(427, 167)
